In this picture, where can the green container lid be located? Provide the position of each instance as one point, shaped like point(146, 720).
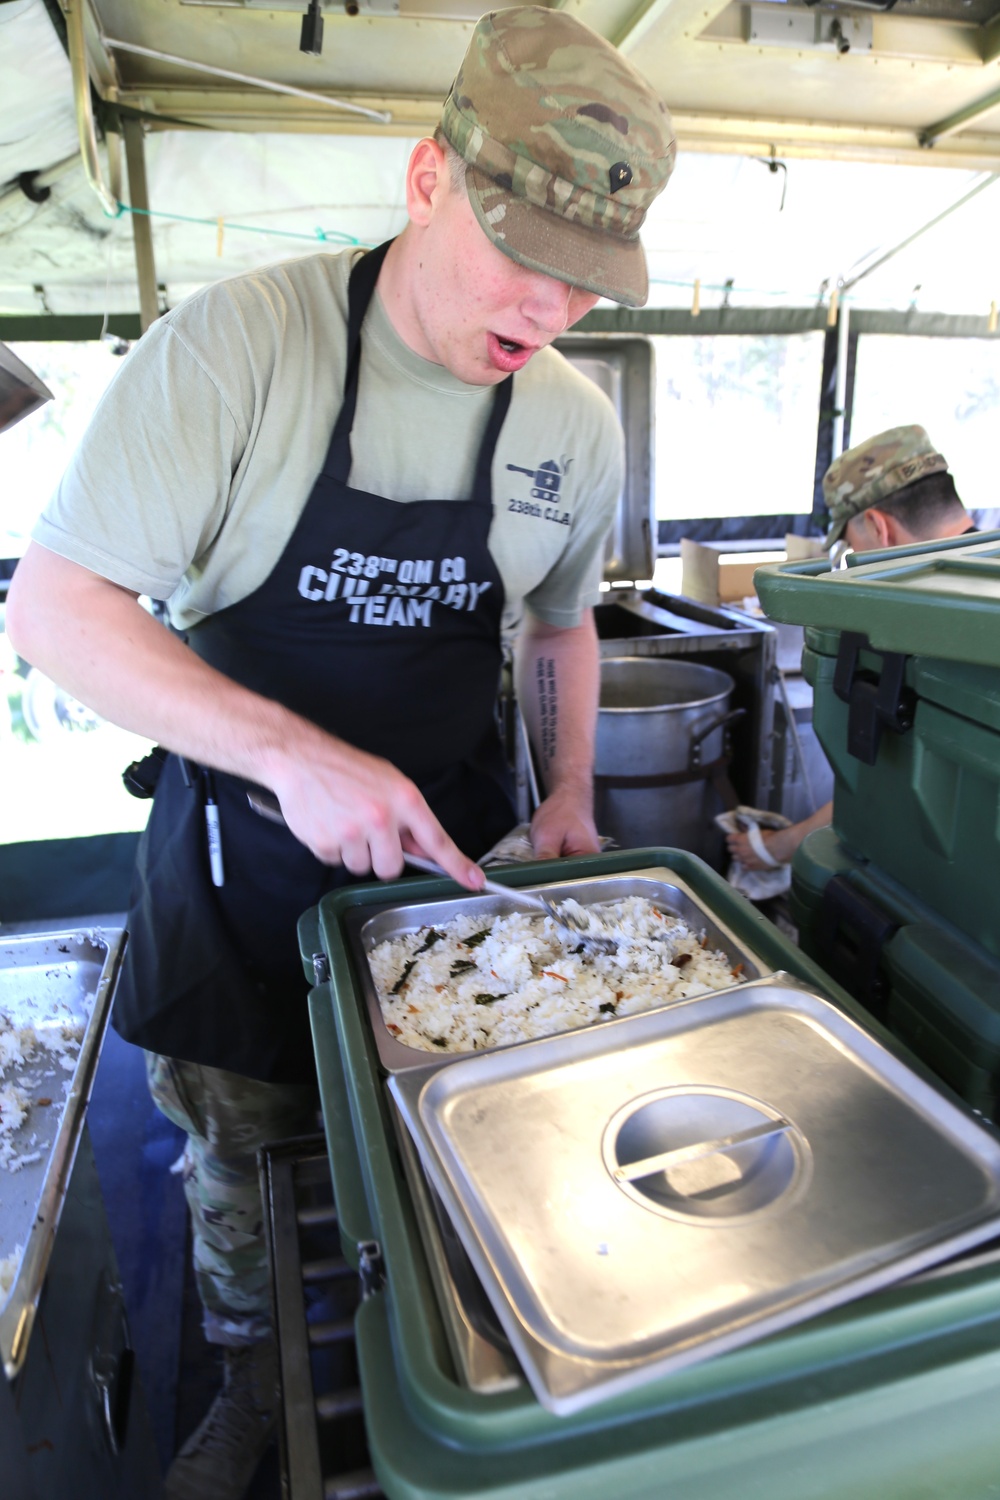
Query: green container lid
point(939, 599)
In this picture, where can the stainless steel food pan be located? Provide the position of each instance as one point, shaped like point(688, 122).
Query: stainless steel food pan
point(661, 886)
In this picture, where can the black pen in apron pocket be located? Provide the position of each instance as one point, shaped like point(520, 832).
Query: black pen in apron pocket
point(214, 830)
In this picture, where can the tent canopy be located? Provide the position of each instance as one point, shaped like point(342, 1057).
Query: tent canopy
point(800, 165)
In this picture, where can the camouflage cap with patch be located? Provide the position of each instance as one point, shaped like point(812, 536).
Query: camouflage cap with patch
point(566, 144)
point(874, 470)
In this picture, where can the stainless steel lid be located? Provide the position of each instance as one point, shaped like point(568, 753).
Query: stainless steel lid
point(638, 1196)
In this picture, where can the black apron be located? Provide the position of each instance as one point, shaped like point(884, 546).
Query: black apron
point(381, 623)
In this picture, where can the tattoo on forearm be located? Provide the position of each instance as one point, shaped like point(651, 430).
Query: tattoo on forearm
point(548, 713)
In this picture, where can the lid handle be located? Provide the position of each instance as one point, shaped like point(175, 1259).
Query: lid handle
point(663, 1161)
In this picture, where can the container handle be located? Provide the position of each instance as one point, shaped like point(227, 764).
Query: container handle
point(707, 729)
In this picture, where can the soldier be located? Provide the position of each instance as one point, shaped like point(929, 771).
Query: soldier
point(890, 491)
point(326, 468)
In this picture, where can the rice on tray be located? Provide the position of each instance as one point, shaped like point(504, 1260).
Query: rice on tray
point(38, 1040)
point(471, 983)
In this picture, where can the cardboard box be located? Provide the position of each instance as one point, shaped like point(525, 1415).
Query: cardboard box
point(713, 576)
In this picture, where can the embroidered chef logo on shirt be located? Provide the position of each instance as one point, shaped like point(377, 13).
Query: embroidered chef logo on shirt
point(545, 503)
point(391, 590)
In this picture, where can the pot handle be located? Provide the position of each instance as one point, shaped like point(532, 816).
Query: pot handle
point(707, 729)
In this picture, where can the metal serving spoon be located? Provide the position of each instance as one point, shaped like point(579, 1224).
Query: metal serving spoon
point(266, 804)
point(531, 901)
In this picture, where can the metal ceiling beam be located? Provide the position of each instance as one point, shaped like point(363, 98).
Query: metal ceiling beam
point(880, 258)
point(268, 85)
point(828, 141)
point(77, 13)
point(412, 116)
point(957, 121)
point(989, 40)
point(247, 109)
point(99, 61)
point(142, 229)
point(671, 19)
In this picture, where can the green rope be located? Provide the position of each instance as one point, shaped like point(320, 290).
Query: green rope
point(325, 236)
point(338, 237)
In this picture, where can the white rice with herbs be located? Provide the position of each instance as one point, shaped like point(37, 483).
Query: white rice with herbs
point(472, 983)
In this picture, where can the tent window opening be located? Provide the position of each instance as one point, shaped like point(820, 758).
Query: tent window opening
point(62, 763)
point(736, 429)
point(950, 386)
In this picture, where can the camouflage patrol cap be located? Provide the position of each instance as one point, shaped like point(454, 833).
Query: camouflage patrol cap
point(874, 470)
point(566, 145)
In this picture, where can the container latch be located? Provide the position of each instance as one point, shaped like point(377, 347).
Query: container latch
point(321, 968)
point(371, 1268)
point(851, 936)
point(874, 702)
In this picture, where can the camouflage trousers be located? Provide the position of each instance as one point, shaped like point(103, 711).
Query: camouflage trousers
point(227, 1118)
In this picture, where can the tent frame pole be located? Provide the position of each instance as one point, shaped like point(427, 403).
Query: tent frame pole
point(142, 229)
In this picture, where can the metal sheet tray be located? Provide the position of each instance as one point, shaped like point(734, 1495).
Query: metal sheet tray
point(640, 1195)
point(668, 890)
point(47, 980)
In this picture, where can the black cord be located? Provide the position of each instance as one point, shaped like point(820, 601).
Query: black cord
point(773, 165)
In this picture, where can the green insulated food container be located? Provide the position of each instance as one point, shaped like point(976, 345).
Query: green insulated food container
point(891, 1396)
point(933, 986)
point(903, 653)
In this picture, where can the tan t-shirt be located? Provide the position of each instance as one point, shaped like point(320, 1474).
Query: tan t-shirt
point(203, 451)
